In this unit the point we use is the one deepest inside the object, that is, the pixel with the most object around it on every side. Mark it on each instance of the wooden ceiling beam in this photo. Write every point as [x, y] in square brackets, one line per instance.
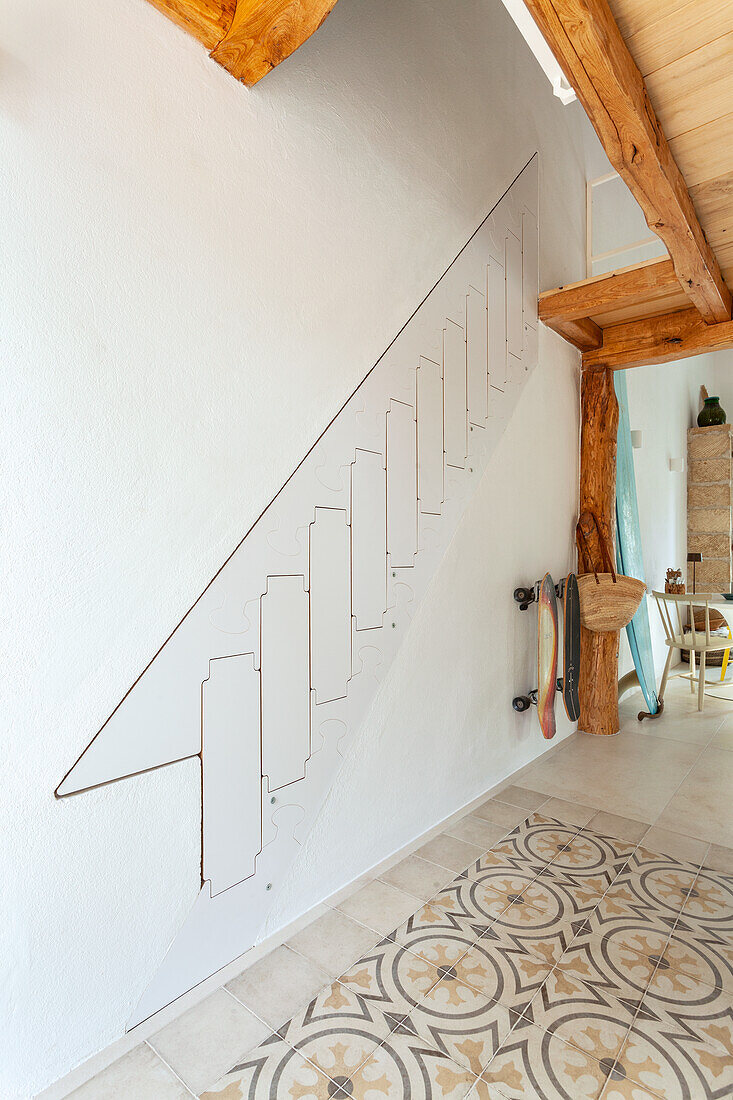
[658, 339]
[248, 37]
[643, 282]
[590, 49]
[580, 331]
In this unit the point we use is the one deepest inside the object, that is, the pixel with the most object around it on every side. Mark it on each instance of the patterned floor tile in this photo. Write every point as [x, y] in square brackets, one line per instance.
[340, 1018]
[691, 1009]
[707, 959]
[504, 856]
[505, 880]
[612, 915]
[504, 972]
[709, 904]
[537, 840]
[629, 893]
[273, 1071]
[673, 1067]
[619, 1087]
[392, 978]
[461, 1023]
[584, 886]
[418, 933]
[407, 1067]
[471, 900]
[643, 860]
[583, 1015]
[663, 889]
[589, 854]
[523, 919]
[534, 1064]
[614, 963]
[534, 933]
[564, 897]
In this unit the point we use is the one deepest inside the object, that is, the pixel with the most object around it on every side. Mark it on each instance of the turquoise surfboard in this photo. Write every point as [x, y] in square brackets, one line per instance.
[629, 558]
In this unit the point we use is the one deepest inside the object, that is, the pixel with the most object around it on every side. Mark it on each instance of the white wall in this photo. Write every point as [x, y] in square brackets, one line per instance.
[196, 276]
[442, 723]
[717, 376]
[663, 404]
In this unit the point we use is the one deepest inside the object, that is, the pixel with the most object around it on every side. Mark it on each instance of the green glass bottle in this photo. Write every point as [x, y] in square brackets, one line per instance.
[711, 413]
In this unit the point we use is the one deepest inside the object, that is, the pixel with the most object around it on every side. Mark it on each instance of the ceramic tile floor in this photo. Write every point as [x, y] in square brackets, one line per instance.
[552, 943]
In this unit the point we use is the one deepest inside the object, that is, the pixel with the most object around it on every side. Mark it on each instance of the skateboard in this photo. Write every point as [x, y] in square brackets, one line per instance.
[571, 647]
[545, 596]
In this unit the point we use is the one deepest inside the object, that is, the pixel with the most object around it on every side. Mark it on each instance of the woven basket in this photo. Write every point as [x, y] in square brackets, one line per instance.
[608, 603]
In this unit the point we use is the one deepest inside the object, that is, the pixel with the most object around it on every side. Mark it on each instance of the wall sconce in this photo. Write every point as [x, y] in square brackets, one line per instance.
[676, 465]
[636, 440]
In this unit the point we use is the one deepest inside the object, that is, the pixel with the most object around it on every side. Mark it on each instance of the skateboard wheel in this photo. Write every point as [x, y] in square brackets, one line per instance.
[524, 596]
[521, 703]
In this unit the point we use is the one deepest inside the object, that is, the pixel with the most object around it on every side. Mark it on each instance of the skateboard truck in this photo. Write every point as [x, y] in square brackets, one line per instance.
[520, 703]
[525, 596]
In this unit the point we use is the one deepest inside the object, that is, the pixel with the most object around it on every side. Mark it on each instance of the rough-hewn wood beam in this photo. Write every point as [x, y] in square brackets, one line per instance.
[580, 331]
[658, 340]
[629, 286]
[598, 683]
[589, 47]
[207, 20]
[248, 37]
[264, 32]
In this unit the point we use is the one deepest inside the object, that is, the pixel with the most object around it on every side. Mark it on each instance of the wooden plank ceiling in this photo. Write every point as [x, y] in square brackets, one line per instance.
[683, 50]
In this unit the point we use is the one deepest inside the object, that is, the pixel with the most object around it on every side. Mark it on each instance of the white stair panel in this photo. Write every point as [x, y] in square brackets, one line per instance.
[514, 318]
[477, 357]
[285, 681]
[255, 614]
[231, 771]
[455, 397]
[330, 604]
[401, 484]
[497, 325]
[530, 269]
[368, 539]
[430, 436]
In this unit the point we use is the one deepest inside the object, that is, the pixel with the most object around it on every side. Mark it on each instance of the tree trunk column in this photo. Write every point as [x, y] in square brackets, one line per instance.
[599, 651]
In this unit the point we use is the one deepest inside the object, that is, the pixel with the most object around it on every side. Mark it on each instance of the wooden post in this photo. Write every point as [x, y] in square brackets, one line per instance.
[599, 652]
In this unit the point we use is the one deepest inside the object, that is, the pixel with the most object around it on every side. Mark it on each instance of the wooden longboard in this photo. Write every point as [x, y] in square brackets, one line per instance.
[546, 656]
[571, 647]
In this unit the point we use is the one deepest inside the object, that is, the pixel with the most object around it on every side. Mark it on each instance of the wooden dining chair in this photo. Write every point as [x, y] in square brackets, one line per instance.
[678, 619]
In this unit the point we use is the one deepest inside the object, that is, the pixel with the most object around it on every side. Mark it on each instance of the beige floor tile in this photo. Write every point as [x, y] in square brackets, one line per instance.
[450, 852]
[724, 737]
[719, 858]
[380, 906]
[702, 807]
[209, 1039]
[690, 727]
[629, 775]
[333, 941]
[278, 985]
[140, 1074]
[418, 876]
[522, 796]
[570, 813]
[501, 813]
[676, 845]
[622, 828]
[475, 830]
